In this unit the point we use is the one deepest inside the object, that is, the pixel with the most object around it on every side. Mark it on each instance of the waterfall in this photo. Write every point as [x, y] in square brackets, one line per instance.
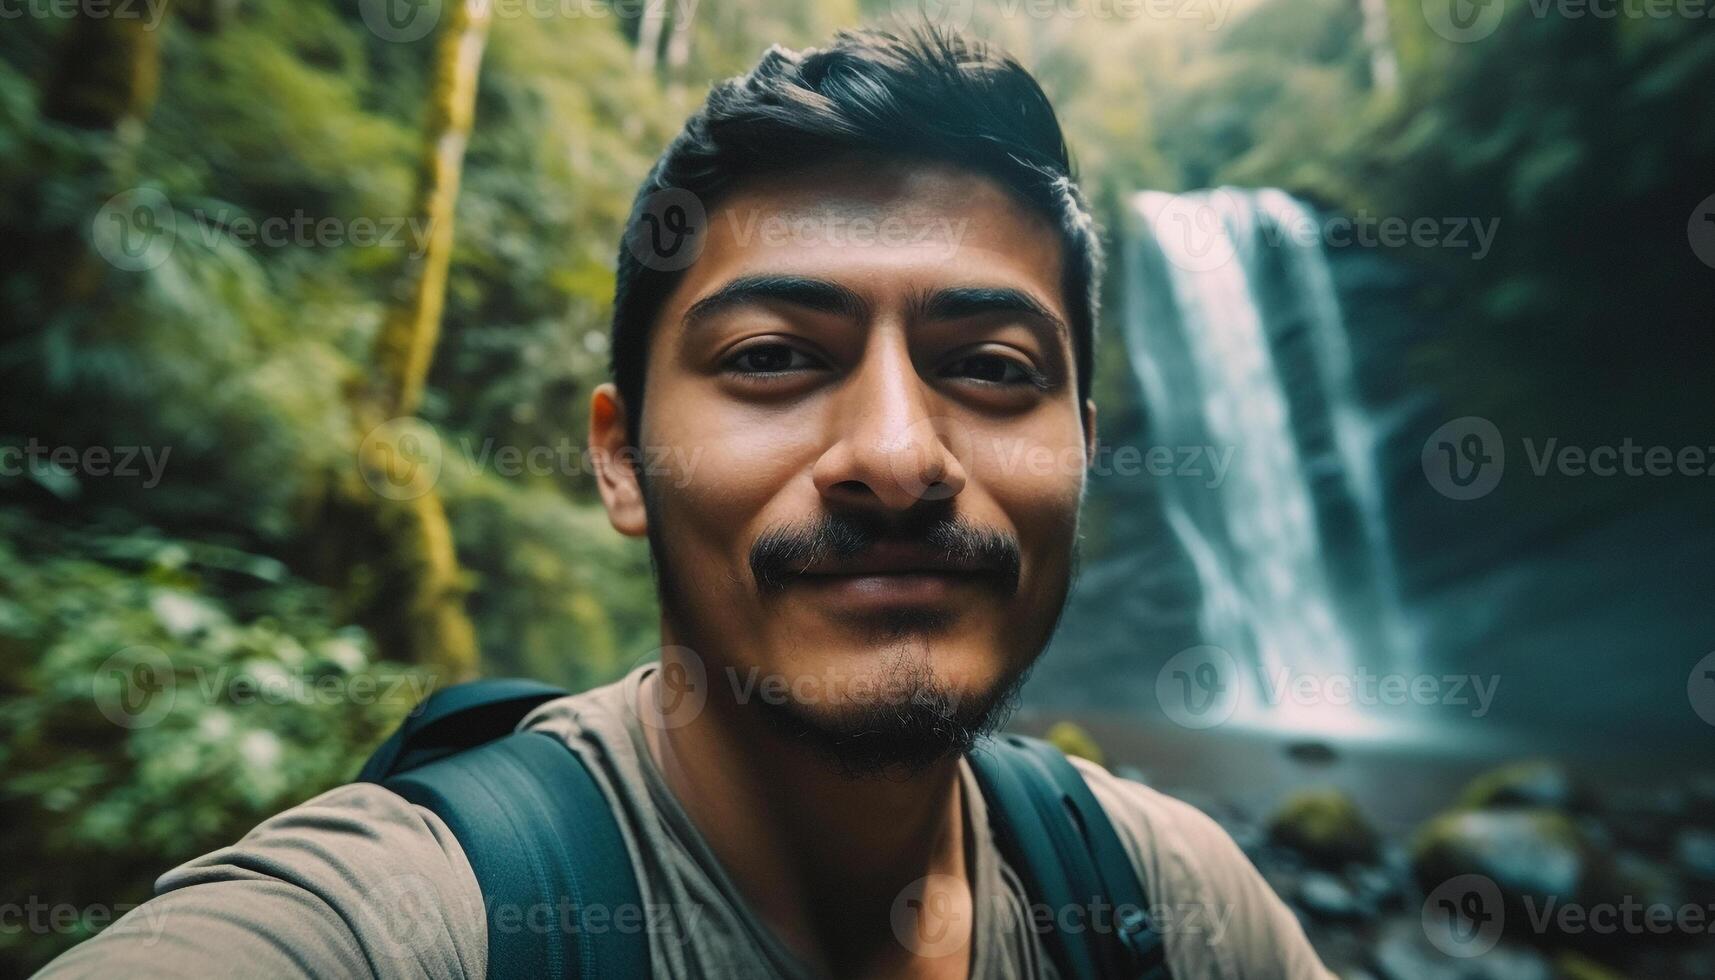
[1235, 334]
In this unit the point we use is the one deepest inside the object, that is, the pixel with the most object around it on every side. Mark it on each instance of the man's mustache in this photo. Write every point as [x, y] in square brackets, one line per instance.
[783, 552]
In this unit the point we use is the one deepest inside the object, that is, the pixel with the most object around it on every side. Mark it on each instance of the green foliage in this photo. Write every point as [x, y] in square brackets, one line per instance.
[560, 595]
[263, 701]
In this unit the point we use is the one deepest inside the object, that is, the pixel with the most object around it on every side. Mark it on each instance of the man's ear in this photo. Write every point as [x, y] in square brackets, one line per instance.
[616, 463]
[1090, 431]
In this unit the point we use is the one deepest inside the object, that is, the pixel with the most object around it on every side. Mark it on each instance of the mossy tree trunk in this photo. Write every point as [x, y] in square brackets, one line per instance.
[104, 82]
[410, 588]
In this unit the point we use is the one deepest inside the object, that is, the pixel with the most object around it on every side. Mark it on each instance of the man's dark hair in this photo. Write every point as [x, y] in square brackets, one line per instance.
[926, 95]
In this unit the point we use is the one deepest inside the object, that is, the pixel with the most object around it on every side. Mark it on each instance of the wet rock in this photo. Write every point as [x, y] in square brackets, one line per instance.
[1525, 784]
[1326, 827]
[1576, 966]
[1376, 887]
[1645, 880]
[1700, 799]
[1327, 897]
[1404, 952]
[1525, 852]
[1646, 820]
[1312, 752]
[1694, 851]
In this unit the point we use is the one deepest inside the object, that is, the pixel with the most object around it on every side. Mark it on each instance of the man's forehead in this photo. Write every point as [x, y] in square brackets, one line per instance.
[914, 226]
[859, 187]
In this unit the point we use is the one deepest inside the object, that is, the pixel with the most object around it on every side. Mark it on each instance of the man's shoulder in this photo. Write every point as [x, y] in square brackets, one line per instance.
[355, 882]
[1173, 838]
[602, 707]
[391, 869]
[1220, 918]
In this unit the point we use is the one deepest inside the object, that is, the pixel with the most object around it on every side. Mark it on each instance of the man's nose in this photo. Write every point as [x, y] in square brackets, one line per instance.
[889, 448]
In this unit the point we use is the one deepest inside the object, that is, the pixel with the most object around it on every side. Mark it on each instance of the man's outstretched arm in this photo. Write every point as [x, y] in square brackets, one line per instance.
[354, 883]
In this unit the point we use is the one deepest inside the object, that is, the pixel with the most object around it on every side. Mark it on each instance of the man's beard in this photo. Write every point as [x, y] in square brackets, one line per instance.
[923, 720]
[914, 722]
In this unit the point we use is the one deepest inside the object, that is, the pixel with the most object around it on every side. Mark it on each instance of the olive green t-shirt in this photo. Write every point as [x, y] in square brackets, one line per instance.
[357, 883]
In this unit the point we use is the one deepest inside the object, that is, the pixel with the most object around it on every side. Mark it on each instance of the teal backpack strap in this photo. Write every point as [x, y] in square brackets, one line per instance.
[1059, 840]
[536, 827]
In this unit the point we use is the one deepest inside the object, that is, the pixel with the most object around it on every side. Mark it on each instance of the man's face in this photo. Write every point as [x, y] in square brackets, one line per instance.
[864, 452]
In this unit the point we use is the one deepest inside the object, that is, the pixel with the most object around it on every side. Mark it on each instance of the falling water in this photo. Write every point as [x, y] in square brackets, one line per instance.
[1237, 339]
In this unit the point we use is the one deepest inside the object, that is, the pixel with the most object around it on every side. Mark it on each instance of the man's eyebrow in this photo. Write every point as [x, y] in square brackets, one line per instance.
[962, 301]
[815, 294]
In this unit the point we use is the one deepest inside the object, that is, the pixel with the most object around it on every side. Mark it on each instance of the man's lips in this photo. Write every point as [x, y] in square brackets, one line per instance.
[897, 559]
[879, 591]
[894, 574]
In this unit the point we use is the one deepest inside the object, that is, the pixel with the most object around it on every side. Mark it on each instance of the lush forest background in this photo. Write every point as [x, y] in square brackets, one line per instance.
[267, 371]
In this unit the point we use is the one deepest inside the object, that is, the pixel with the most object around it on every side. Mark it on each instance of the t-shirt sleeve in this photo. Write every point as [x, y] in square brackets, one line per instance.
[1219, 917]
[354, 883]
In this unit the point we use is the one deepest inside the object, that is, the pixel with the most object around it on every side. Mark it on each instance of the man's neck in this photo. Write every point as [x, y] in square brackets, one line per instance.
[823, 858]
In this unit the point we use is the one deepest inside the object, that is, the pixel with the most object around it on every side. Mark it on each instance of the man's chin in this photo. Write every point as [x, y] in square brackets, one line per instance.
[898, 723]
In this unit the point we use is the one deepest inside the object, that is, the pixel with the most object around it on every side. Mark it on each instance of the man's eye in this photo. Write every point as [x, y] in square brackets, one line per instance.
[993, 369]
[769, 359]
